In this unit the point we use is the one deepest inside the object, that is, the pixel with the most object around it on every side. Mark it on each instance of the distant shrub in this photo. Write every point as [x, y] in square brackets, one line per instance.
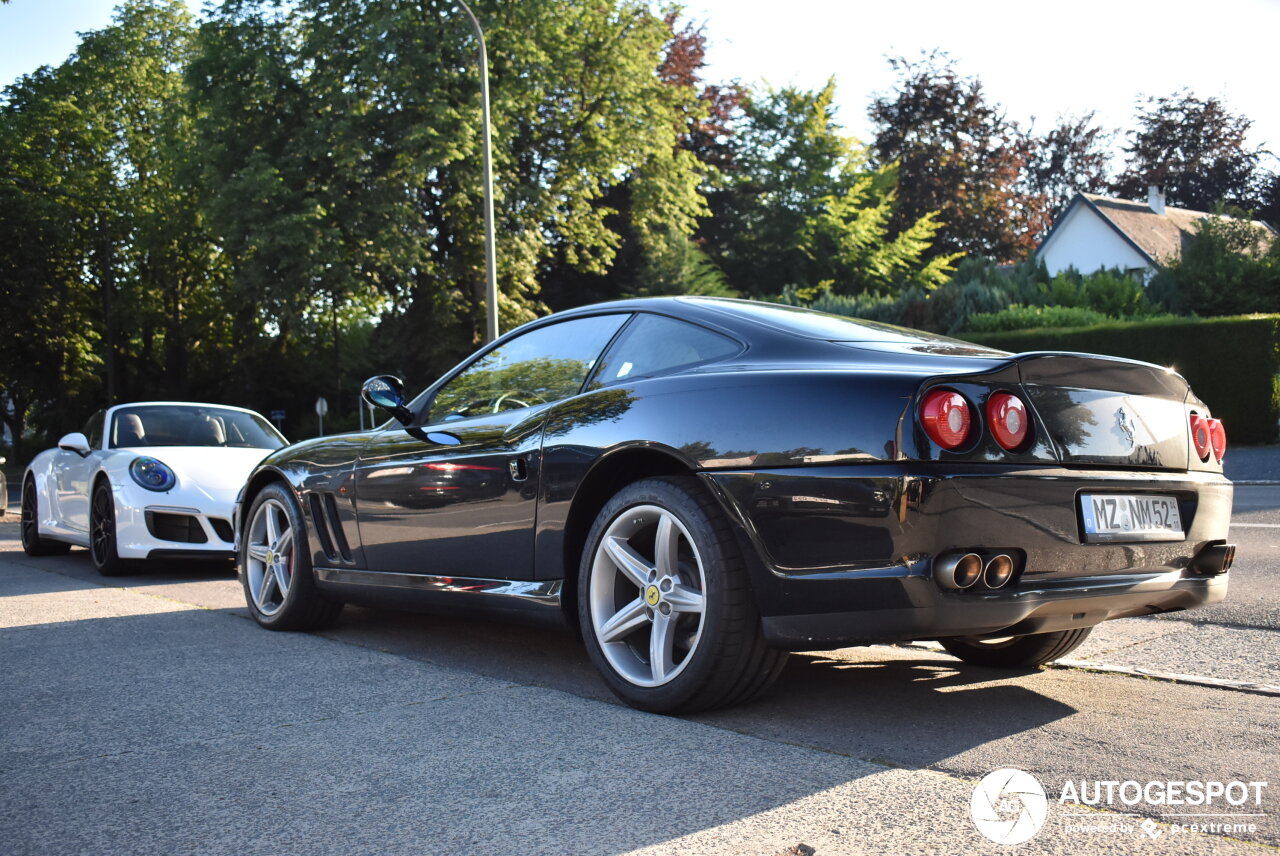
[1019, 317]
[1239, 381]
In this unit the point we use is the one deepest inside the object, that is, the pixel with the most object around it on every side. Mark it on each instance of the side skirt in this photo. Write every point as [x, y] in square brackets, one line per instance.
[536, 602]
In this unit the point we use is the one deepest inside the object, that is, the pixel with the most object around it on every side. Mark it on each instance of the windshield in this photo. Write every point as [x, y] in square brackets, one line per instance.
[191, 425]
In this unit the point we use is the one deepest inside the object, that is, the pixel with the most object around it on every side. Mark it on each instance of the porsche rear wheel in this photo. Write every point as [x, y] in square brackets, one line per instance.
[1016, 651]
[275, 566]
[32, 543]
[102, 532]
[665, 603]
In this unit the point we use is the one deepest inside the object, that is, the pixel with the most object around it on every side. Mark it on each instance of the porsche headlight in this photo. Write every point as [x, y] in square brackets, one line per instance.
[152, 474]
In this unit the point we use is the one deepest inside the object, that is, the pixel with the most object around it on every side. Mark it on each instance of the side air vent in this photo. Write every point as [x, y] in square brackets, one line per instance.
[335, 524]
[320, 520]
[324, 515]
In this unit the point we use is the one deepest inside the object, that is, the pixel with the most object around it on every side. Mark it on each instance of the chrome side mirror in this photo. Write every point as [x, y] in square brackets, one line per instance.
[387, 392]
[75, 442]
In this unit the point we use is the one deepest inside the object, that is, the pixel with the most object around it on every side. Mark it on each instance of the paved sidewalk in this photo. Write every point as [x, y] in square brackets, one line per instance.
[140, 724]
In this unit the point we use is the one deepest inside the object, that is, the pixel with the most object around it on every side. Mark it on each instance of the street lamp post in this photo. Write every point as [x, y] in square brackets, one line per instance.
[490, 254]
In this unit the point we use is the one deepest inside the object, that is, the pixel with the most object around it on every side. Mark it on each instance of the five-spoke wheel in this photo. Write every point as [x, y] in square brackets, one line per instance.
[647, 601]
[665, 604]
[275, 565]
[32, 542]
[269, 556]
[1035, 649]
[102, 532]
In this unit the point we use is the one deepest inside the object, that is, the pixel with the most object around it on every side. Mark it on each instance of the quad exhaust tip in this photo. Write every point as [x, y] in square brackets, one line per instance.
[1214, 559]
[960, 571]
[998, 571]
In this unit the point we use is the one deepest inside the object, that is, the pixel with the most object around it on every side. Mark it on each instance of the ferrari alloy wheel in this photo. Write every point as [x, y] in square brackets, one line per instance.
[102, 532]
[665, 603]
[653, 635]
[32, 543]
[275, 566]
[1016, 651]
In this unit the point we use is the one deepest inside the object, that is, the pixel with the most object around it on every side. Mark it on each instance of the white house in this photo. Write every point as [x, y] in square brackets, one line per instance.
[1101, 232]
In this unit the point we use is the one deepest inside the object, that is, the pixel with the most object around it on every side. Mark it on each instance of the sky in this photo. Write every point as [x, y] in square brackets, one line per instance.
[1039, 60]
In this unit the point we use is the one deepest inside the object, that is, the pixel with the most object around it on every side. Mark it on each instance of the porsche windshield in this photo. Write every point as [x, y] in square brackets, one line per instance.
[179, 425]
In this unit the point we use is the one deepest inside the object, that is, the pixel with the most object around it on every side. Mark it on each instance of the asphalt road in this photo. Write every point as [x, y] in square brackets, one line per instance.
[150, 716]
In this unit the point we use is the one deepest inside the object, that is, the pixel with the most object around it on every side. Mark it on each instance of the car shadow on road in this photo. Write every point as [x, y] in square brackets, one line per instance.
[905, 707]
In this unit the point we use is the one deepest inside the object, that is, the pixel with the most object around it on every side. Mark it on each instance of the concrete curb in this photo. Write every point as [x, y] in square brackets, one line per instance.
[1135, 672]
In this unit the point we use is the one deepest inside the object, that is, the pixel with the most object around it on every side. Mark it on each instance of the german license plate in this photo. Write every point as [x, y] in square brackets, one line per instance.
[1123, 517]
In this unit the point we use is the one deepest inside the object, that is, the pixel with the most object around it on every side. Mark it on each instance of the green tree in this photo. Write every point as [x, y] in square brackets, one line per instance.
[1230, 267]
[1072, 157]
[800, 206]
[100, 224]
[1195, 150]
[344, 163]
[959, 156]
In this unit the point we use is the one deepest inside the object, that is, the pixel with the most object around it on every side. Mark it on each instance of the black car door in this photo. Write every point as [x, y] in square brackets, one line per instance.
[468, 510]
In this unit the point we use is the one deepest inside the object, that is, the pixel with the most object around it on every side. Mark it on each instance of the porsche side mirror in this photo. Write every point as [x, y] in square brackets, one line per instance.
[387, 393]
[75, 442]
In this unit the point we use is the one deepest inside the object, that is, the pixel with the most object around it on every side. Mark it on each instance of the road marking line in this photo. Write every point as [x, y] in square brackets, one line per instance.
[1257, 525]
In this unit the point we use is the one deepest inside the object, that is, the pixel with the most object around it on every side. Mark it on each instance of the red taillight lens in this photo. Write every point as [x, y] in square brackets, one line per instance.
[946, 419]
[1217, 438]
[1200, 436]
[1007, 416]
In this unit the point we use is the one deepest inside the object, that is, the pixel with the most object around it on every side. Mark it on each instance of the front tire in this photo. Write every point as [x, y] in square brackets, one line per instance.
[1016, 651]
[665, 603]
[102, 532]
[32, 542]
[275, 566]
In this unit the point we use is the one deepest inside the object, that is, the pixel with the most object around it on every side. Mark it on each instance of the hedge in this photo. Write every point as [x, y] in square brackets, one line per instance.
[1232, 363]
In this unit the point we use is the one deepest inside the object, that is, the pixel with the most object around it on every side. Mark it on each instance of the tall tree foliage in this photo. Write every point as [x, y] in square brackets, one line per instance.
[1195, 149]
[99, 218]
[370, 150]
[1072, 157]
[800, 206]
[957, 155]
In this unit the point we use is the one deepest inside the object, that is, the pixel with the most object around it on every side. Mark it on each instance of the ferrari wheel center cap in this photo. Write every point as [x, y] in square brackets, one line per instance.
[652, 595]
[271, 557]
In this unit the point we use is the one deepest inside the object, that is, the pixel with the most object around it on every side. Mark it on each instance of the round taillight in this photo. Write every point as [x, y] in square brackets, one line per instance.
[946, 419]
[1217, 438]
[1200, 436]
[1007, 416]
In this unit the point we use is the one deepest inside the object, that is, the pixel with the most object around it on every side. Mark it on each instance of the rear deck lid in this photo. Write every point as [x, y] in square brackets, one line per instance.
[1107, 411]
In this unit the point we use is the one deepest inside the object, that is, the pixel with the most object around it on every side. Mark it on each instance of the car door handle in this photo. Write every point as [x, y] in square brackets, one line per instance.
[518, 468]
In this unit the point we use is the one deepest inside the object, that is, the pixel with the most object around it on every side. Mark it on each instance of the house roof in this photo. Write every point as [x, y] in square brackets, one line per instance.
[1158, 237]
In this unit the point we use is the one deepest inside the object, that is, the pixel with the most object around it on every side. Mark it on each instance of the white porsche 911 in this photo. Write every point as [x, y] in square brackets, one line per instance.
[153, 480]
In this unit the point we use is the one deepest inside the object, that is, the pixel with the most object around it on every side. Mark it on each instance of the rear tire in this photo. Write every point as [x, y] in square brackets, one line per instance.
[1016, 651]
[102, 532]
[665, 604]
[275, 566]
[32, 542]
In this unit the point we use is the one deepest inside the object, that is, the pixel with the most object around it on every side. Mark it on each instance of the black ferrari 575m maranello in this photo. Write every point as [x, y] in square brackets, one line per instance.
[701, 485]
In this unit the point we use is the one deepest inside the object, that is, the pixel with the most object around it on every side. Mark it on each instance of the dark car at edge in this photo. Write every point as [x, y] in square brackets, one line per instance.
[700, 485]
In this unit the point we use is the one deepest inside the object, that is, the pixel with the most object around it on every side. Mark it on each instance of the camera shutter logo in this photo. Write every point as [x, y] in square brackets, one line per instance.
[1009, 806]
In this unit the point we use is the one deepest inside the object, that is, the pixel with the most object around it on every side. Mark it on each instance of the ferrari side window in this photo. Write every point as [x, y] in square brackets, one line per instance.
[655, 344]
[539, 367]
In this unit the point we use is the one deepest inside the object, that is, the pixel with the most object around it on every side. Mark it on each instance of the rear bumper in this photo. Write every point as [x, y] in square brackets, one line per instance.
[1043, 609]
[844, 555]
